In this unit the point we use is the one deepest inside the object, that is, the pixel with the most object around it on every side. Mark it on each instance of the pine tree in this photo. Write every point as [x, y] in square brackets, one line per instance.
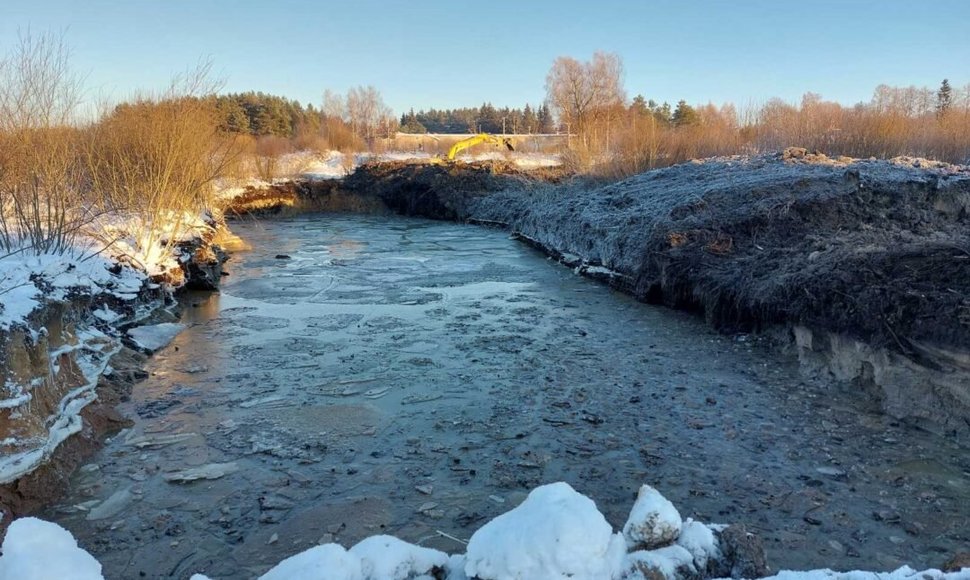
[685, 115]
[639, 106]
[545, 120]
[529, 121]
[944, 98]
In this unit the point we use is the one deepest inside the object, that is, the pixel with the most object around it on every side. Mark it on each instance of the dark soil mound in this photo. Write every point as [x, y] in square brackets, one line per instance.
[877, 250]
[441, 191]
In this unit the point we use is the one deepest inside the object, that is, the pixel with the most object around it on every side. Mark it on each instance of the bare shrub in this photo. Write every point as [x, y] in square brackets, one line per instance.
[39, 174]
[266, 156]
[156, 157]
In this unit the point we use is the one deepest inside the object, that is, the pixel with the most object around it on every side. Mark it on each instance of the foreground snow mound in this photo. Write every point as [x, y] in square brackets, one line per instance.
[653, 521]
[388, 558]
[326, 562]
[39, 550]
[904, 573]
[555, 533]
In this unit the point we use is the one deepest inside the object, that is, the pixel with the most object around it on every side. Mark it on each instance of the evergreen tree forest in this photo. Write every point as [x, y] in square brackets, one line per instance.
[483, 119]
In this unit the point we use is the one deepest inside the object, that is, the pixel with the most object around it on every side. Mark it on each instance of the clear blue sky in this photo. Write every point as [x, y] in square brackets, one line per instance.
[461, 53]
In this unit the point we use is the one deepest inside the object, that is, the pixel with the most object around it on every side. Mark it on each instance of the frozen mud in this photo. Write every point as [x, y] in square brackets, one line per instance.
[363, 375]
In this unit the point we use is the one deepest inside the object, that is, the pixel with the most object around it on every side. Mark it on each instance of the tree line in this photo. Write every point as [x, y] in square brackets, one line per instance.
[621, 136]
[483, 119]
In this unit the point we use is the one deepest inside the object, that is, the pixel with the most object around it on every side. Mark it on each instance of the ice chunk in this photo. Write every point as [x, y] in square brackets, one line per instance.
[39, 550]
[153, 337]
[653, 521]
[112, 506]
[555, 533]
[326, 562]
[388, 558]
[208, 471]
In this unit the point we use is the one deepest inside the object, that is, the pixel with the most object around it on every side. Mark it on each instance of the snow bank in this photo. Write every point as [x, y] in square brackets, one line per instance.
[557, 533]
[128, 239]
[27, 279]
[39, 550]
[92, 353]
[388, 558]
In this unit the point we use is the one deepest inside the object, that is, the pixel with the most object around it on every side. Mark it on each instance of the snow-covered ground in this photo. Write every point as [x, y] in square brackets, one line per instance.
[556, 533]
[26, 279]
[113, 254]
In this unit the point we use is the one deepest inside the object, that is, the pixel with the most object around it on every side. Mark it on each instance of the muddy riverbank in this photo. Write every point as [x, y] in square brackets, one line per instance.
[361, 375]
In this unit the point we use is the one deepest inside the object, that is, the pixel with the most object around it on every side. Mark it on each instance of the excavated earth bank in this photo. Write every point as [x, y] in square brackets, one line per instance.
[863, 266]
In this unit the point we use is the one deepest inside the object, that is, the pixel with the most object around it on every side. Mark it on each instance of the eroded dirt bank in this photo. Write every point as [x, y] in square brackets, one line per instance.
[863, 265]
[69, 363]
[408, 377]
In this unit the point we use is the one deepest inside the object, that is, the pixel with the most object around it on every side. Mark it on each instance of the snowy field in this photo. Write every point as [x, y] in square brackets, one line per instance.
[556, 533]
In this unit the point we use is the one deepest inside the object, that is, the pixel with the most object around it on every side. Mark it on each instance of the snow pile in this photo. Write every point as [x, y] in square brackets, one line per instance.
[327, 562]
[555, 533]
[388, 558]
[375, 558]
[653, 521]
[39, 550]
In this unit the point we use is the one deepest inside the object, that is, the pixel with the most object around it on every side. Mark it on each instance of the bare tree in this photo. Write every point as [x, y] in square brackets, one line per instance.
[367, 113]
[156, 157]
[586, 95]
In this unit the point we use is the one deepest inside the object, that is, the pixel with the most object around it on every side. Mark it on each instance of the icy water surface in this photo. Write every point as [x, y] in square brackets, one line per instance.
[412, 377]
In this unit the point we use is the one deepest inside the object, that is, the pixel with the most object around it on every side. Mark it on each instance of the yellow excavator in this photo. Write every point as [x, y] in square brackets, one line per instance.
[475, 140]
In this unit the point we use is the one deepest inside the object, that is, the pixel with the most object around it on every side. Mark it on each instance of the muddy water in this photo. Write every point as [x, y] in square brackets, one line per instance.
[412, 377]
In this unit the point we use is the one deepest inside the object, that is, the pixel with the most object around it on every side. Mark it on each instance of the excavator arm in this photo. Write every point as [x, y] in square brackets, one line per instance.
[475, 140]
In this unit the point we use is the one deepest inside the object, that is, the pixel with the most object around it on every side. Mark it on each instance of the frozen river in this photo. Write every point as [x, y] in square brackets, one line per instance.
[361, 375]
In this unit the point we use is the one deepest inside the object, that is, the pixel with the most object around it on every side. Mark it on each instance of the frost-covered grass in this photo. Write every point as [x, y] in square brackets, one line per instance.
[555, 534]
